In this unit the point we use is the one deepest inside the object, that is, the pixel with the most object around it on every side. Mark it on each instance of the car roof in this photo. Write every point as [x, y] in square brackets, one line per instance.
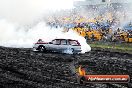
[65, 39]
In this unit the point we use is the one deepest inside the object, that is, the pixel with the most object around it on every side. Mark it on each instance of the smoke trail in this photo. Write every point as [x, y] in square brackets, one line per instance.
[28, 11]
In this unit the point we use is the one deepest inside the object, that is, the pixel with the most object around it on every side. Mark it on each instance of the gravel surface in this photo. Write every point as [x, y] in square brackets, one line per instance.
[22, 68]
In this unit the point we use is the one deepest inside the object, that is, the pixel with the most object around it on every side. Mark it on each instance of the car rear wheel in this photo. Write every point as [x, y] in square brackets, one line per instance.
[71, 51]
[68, 51]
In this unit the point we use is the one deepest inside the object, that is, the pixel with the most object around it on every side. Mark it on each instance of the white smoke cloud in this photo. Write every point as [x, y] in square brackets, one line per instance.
[27, 11]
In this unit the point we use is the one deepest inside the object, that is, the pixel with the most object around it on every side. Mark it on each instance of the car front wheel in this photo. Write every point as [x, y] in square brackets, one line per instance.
[42, 49]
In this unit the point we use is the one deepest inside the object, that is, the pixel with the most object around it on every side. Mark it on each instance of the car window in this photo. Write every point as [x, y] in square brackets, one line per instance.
[56, 42]
[63, 42]
[73, 42]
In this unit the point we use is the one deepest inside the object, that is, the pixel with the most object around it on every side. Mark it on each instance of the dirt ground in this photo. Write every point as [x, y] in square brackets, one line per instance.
[23, 68]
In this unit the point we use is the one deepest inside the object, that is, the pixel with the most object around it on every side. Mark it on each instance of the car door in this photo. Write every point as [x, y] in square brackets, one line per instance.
[63, 45]
[55, 45]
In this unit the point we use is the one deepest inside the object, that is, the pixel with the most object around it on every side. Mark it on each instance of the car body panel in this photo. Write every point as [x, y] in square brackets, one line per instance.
[60, 45]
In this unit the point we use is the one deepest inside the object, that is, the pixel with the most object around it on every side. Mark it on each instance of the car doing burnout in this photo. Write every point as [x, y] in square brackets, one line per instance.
[58, 45]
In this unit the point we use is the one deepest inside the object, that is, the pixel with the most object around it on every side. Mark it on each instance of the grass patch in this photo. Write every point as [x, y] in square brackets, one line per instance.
[121, 47]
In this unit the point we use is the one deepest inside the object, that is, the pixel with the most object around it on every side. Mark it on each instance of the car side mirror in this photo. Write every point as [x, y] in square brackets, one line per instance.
[50, 43]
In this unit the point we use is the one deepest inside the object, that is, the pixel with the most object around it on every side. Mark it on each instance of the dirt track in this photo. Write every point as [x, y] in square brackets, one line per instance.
[22, 68]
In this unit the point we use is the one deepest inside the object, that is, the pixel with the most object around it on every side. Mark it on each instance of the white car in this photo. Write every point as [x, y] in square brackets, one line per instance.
[58, 45]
